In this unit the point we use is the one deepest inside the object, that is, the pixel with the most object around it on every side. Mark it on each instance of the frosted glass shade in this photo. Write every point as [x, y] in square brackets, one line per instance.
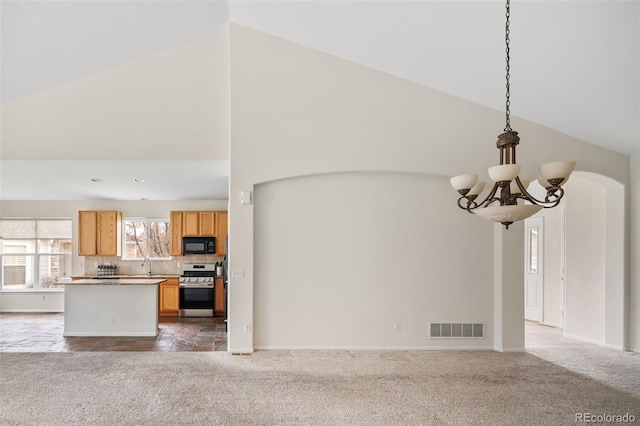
[477, 188]
[508, 213]
[463, 181]
[504, 172]
[543, 182]
[559, 169]
[513, 187]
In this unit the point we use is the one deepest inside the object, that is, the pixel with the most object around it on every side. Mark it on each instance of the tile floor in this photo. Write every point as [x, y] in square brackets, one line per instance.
[42, 332]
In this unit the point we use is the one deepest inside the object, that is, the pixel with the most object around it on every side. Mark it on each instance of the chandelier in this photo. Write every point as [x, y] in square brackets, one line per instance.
[501, 204]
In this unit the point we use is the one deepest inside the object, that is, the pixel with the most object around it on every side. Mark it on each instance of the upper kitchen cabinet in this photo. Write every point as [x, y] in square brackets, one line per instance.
[176, 233]
[221, 232]
[198, 224]
[207, 221]
[99, 233]
[87, 233]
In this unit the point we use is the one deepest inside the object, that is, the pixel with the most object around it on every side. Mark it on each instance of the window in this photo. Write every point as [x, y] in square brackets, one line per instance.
[532, 259]
[35, 254]
[146, 238]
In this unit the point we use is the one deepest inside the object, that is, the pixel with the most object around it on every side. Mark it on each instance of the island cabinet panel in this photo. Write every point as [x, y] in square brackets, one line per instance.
[87, 233]
[221, 232]
[111, 308]
[169, 298]
[99, 233]
[190, 224]
[219, 305]
[176, 233]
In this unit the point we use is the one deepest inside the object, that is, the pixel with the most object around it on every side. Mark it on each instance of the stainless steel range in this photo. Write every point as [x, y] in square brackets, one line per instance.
[196, 289]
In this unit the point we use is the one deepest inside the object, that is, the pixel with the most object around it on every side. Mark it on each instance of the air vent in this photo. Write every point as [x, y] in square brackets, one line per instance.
[456, 330]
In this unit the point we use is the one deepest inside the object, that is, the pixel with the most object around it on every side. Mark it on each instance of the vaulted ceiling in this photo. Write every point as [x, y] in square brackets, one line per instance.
[575, 65]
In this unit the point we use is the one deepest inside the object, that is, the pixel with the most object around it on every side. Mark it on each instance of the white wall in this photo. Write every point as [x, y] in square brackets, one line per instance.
[553, 293]
[586, 264]
[341, 257]
[634, 257]
[310, 113]
[54, 301]
[553, 280]
[173, 105]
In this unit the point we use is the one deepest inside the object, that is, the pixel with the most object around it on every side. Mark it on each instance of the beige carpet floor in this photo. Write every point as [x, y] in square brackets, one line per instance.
[311, 388]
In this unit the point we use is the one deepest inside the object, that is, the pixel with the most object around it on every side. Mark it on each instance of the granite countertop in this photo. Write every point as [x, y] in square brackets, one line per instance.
[120, 281]
[130, 276]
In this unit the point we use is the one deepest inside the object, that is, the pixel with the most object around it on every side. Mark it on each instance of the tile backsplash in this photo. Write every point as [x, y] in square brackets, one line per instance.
[134, 267]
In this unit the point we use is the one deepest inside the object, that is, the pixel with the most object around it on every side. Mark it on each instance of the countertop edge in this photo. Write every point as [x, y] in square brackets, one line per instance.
[120, 281]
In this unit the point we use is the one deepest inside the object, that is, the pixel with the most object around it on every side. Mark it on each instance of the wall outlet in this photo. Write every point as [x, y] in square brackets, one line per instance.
[80, 265]
[247, 328]
[396, 326]
[112, 320]
[237, 273]
[42, 297]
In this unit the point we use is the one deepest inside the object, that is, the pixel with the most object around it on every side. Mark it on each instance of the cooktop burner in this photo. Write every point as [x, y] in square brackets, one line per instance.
[198, 275]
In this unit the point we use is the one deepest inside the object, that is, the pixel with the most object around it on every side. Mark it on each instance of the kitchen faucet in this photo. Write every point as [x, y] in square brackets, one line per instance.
[146, 259]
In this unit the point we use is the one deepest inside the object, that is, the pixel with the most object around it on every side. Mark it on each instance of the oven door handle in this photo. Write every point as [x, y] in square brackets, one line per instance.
[195, 286]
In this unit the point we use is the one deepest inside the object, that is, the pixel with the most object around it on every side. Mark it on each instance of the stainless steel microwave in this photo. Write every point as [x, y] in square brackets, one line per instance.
[198, 245]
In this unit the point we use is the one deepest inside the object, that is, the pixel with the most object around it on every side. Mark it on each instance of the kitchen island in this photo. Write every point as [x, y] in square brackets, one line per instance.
[111, 307]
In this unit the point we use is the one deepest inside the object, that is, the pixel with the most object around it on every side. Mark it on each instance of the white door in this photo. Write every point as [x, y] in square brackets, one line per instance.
[533, 263]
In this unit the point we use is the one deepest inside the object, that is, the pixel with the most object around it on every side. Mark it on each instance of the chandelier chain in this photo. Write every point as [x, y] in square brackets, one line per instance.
[508, 69]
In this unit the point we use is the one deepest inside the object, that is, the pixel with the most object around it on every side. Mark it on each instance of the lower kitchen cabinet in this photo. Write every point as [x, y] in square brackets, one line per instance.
[219, 304]
[169, 298]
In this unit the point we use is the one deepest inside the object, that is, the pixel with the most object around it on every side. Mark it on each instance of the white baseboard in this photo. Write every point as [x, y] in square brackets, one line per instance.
[110, 334]
[31, 311]
[595, 342]
[241, 351]
[510, 351]
[551, 324]
[372, 348]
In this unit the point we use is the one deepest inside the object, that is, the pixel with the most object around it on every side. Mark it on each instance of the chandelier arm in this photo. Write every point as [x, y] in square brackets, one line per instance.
[552, 192]
[472, 204]
[550, 200]
[491, 198]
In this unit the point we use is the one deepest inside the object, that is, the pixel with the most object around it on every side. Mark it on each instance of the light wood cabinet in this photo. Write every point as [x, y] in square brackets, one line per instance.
[207, 224]
[198, 224]
[190, 224]
[221, 232]
[109, 233]
[176, 233]
[169, 298]
[219, 304]
[87, 233]
[99, 233]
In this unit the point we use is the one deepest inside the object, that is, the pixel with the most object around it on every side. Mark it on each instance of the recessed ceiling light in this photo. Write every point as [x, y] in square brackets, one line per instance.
[96, 180]
[138, 180]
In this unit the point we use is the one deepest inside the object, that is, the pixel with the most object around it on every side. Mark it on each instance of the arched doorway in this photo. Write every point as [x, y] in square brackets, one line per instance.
[583, 277]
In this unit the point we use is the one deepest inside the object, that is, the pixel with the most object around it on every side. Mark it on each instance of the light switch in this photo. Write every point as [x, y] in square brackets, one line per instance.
[237, 273]
[245, 197]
